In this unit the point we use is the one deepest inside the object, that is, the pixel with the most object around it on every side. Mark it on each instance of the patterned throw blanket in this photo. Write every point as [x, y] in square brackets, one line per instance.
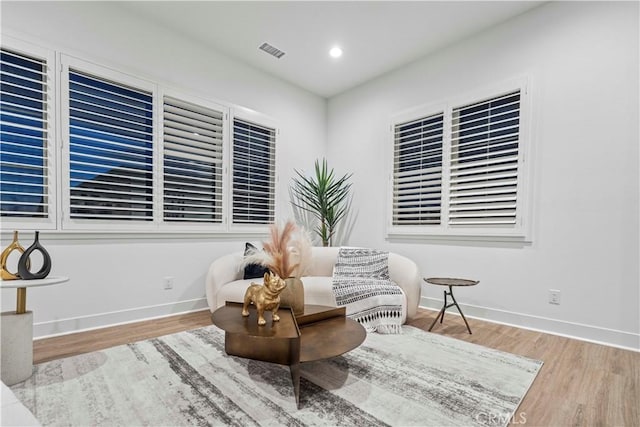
[361, 283]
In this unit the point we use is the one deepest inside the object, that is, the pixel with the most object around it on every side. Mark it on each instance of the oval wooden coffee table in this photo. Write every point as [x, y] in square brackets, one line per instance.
[320, 333]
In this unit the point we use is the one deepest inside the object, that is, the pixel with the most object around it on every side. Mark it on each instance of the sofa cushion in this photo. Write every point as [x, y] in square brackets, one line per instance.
[234, 291]
[317, 291]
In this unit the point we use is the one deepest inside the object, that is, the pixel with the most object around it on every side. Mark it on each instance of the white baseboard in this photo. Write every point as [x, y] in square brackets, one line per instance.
[113, 318]
[579, 331]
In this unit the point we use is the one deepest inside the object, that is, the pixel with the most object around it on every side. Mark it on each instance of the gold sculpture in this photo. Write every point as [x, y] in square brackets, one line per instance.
[5, 274]
[265, 297]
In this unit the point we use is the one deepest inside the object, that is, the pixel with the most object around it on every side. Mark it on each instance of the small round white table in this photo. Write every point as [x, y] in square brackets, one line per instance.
[17, 331]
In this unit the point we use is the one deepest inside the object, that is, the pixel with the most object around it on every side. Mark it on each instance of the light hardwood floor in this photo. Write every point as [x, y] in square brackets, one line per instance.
[580, 384]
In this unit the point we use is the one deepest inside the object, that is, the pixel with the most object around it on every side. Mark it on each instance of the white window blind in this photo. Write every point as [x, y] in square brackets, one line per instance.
[417, 171]
[192, 159]
[110, 149]
[253, 179]
[458, 168]
[484, 162]
[24, 136]
[132, 155]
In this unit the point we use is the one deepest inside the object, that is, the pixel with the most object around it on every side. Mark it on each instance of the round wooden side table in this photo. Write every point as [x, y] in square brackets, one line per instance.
[450, 282]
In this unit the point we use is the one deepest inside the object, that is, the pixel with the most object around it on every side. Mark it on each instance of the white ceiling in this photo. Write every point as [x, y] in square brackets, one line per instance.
[376, 36]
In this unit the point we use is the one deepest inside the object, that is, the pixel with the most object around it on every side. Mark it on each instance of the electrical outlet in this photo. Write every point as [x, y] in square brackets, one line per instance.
[554, 296]
[168, 282]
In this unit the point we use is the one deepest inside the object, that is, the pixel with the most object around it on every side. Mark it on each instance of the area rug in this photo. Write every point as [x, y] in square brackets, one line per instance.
[413, 378]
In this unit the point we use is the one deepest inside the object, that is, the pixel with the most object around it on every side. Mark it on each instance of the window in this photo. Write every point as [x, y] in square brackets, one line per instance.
[192, 162]
[120, 153]
[417, 171]
[132, 166]
[483, 187]
[458, 170]
[25, 138]
[253, 179]
[110, 149]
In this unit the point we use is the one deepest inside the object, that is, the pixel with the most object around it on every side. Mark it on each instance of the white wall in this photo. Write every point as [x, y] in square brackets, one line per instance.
[583, 62]
[582, 59]
[121, 279]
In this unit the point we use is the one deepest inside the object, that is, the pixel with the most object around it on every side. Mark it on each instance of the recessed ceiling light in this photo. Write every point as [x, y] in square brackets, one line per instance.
[335, 52]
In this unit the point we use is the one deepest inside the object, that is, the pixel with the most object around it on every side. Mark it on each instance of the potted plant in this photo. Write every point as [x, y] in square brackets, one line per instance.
[324, 196]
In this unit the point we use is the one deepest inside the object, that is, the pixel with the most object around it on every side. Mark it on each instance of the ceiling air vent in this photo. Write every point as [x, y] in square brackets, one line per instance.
[271, 50]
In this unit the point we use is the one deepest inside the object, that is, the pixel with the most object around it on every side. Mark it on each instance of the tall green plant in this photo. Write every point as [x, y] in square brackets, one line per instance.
[324, 196]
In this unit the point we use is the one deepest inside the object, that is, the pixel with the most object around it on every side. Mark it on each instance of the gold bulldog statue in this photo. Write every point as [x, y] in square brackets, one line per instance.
[264, 297]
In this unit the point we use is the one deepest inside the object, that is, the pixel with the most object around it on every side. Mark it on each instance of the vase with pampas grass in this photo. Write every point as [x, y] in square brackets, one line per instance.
[287, 254]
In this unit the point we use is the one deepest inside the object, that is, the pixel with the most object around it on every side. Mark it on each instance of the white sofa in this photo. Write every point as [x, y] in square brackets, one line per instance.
[224, 280]
[13, 412]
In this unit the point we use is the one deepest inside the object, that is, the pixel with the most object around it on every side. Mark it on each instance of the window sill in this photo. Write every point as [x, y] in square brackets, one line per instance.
[460, 239]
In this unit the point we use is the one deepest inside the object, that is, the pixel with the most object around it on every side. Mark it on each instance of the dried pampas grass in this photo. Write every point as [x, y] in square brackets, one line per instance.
[278, 248]
[300, 252]
[287, 254]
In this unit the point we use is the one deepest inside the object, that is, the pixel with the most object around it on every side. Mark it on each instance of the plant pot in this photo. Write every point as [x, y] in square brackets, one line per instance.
[293, 295]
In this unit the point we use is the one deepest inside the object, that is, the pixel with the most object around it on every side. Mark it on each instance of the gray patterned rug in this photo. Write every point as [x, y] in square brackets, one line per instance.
[415, 378]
